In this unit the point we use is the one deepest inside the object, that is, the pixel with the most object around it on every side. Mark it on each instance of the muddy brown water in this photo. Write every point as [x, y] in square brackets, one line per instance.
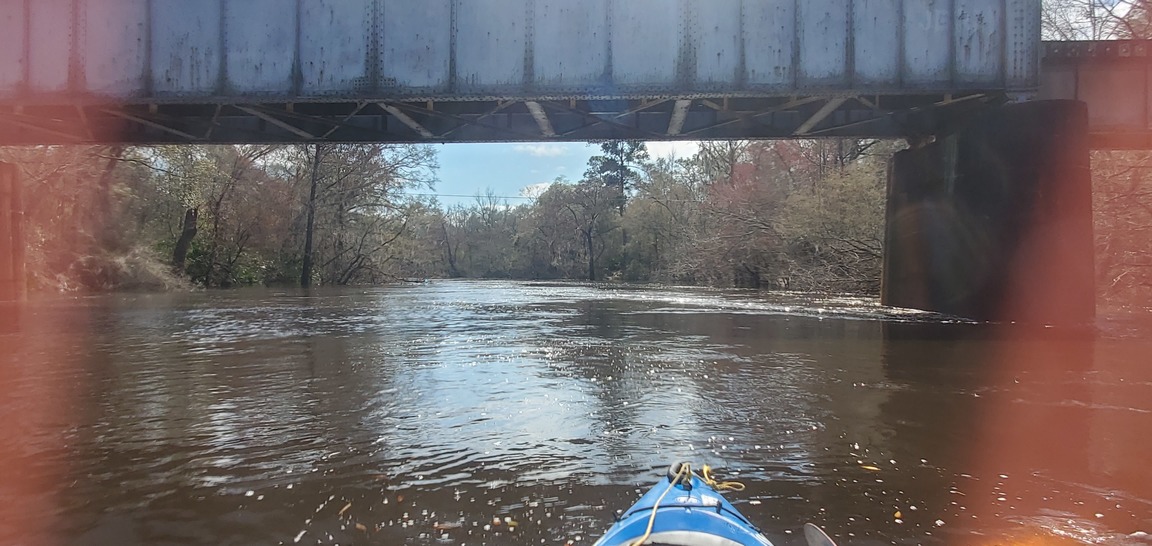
[528, 413]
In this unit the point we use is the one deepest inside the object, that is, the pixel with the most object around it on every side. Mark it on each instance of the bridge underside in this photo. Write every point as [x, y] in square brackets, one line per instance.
[696, 118]
[1114, 78]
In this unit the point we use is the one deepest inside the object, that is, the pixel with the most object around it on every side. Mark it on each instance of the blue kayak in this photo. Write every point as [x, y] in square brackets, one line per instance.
[684, 509]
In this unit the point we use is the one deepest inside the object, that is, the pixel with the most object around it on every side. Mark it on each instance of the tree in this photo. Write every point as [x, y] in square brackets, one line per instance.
[318, 152]
[226, 196]
[718, 160]
[417, 253]
[1096, 19]
[744, 229]
[453, 226]
[662, 219]
[619, 166]
[575, 218]
[589, 204]
[544, 240]
[834, 235]
[492, 229]
[353, 209]
[1122, 203]
[89, 218]
[189, 227]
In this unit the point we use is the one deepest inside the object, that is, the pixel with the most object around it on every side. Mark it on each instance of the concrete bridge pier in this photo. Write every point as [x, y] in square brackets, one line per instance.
[994, 221]
[13, 281]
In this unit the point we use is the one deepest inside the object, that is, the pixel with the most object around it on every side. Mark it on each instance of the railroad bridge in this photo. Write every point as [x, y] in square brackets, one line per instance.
[993, 196]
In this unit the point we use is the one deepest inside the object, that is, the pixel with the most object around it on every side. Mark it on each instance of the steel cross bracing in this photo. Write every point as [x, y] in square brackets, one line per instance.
[699, 118]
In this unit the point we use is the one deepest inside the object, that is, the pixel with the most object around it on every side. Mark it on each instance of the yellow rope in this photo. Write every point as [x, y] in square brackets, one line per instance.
[706, 474]
[685, 472]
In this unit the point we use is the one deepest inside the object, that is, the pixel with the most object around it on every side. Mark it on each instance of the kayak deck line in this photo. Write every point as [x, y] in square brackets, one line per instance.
[696, 515]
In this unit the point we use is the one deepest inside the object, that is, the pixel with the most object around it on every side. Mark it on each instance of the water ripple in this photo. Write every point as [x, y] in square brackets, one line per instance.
[412, 414]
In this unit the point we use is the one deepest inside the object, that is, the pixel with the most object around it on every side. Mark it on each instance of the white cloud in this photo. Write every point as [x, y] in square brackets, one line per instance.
[534, 190]
[541, 150]
[679, 149]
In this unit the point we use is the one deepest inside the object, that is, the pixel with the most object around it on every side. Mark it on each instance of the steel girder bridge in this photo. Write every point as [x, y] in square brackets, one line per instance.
[231, 71]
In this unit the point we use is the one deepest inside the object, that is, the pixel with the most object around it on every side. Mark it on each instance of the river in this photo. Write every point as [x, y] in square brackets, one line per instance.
[459, 412]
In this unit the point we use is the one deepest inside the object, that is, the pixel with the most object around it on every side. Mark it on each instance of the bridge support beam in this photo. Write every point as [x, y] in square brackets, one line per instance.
[13, 283]
[994, 221]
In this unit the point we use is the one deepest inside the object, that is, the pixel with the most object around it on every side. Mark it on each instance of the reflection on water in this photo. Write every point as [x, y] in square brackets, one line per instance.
[512, 413]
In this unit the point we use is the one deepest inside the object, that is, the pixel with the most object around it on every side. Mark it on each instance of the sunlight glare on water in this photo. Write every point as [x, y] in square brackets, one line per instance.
[528, 413]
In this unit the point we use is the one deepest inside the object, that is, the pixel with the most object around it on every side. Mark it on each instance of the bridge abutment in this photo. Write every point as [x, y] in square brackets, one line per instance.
[13, 280]
[994, 221]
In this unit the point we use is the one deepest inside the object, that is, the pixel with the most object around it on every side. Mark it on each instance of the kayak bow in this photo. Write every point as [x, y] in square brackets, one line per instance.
[684, 509]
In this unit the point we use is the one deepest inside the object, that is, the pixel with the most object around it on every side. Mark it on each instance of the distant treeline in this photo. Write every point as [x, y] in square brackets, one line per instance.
[804, 215]
[800, 215]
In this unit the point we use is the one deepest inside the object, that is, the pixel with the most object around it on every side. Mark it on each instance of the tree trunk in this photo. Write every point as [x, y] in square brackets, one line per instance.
[453, 271]
[623, 247]
[591, 256]
[623, 197]
[188, 230]
[309, 228]
[109, 238]
[216, 242]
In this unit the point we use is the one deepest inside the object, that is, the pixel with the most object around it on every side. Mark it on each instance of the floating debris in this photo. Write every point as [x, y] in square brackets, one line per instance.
[340, 514]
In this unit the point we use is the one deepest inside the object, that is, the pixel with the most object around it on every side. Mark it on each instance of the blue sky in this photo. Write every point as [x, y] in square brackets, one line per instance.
[468, 169]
